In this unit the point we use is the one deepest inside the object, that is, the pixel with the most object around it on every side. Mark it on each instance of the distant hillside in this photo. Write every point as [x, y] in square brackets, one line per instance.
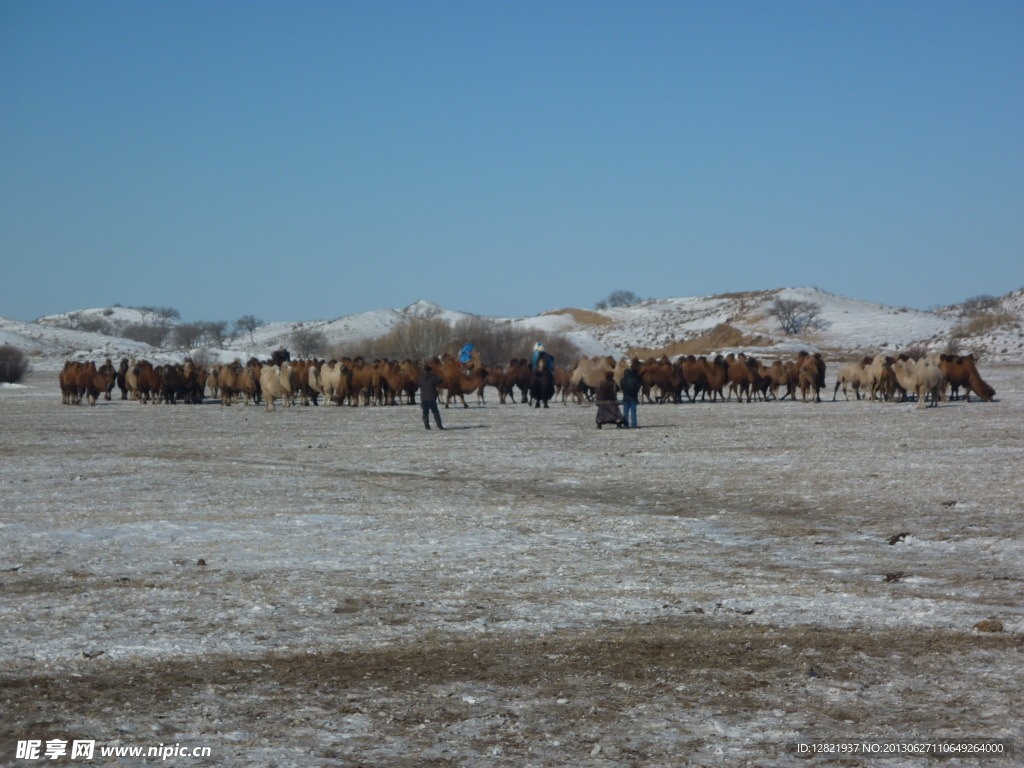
[730, 321]
[696, 325]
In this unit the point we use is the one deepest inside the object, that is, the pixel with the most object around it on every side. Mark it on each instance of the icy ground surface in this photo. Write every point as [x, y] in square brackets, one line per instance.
[521, 589]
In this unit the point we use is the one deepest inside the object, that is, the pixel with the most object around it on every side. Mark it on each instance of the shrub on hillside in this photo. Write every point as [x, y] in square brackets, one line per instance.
[147, 333]
[308, 342]
[916, 351]
[982, 323]
[13, 364]
[77, 321]
[977, 305]
[95, 325]
[420, 338]
[497, 342]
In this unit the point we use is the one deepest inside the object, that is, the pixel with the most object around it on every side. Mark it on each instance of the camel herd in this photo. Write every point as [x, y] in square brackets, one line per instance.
[355, 381]
[719, 378]
[895, 377]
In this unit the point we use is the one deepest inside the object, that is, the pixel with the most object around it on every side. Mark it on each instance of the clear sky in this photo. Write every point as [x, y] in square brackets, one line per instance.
[311, 160]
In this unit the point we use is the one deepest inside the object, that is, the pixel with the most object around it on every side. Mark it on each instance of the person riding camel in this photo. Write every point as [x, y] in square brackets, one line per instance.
[538, 350]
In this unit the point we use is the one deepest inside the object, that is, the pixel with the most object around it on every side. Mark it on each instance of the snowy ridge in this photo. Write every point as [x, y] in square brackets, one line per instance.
[847, 326]
[115, 316]
[50, 343]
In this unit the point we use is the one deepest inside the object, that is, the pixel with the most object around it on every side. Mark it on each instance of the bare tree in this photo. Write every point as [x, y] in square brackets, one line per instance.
[425, 338]
[619, 298]
[796, 316]
[248, 323]
[13, 364]
[187, 334]
[308, 342]
[812, 320]
[419, 338]
[162, 315]
[215, 331]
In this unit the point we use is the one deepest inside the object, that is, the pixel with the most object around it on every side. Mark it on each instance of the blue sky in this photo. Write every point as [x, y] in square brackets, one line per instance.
[310, 160]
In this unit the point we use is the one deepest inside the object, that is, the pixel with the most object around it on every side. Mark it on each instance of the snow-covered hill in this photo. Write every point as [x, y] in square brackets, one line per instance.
[49, 345]
[110, 318]
[742, 320]
[692, 324]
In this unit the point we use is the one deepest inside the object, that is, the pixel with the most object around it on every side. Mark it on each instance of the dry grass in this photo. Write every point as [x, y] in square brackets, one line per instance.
[570, 687]
[982, 324]
[722, 336]
[758, 295]
[582, 316]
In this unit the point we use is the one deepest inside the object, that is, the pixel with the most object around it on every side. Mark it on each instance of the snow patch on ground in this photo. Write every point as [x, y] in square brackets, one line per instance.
[518, 589]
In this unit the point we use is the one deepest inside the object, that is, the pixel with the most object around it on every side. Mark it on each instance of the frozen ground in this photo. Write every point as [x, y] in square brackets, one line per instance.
[520, 589]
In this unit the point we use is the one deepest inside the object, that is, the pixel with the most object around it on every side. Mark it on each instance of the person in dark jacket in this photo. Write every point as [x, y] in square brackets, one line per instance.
[607, 402]
[429, 382]
[630, 386]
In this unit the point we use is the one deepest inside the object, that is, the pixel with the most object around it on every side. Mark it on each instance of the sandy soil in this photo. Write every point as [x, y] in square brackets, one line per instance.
[520, 589]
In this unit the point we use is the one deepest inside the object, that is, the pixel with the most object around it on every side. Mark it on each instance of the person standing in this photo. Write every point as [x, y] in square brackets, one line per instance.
[630, 386]
[429, 382]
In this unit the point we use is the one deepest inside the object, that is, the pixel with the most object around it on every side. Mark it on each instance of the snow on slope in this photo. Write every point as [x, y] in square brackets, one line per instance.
[852, 324]
[365, 325]
[49, 346]
[1004, 340]
[115, 316]
[848, 325]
